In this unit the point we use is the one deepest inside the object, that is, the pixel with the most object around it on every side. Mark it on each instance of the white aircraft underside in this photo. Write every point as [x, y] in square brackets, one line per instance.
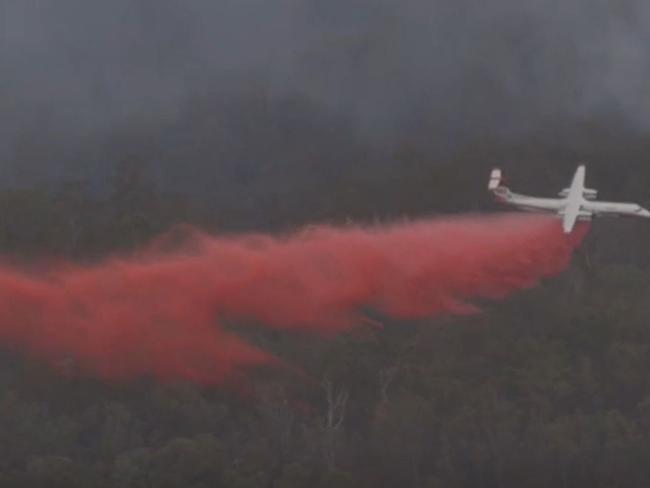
[574, 203]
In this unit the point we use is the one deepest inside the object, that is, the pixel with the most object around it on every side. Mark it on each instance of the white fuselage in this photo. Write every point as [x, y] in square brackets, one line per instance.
[575, 203]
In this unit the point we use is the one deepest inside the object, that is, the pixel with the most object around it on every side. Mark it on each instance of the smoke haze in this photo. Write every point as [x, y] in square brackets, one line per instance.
[74, 73]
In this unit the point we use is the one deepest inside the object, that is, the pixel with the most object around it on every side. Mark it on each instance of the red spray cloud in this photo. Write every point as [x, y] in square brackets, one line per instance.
[158, 313]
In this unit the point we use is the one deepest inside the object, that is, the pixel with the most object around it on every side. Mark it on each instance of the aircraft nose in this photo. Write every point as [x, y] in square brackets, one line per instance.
[644, 213]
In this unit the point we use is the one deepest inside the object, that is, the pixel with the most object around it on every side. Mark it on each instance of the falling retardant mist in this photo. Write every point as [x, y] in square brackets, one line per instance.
[160, 312]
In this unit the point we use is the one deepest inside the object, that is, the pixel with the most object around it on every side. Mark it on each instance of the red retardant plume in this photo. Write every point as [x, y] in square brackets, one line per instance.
[159, 313]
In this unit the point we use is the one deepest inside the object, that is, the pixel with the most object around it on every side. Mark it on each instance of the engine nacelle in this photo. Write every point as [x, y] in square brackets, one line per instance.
[588, 193]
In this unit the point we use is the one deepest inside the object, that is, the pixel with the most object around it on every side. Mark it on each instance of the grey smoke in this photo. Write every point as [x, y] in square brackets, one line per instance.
[71, 70]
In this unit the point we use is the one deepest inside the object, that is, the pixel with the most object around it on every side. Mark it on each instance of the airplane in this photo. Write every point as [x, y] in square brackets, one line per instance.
[574, 203]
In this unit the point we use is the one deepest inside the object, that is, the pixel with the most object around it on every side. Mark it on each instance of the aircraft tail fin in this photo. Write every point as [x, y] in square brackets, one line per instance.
[495, 179]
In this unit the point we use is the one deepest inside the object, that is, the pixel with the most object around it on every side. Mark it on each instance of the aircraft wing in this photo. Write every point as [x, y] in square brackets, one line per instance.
[574, 200]
[570, 216]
